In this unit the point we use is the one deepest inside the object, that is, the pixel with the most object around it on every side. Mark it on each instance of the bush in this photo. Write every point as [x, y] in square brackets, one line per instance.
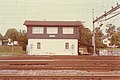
[11, 50]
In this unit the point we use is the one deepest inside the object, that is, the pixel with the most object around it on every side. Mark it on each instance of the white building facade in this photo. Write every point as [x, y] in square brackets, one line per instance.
[106, 40]
[52, 47]
[52, 37]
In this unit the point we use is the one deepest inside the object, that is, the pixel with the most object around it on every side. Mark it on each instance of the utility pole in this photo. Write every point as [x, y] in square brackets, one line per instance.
[99, 18]
[93, 35]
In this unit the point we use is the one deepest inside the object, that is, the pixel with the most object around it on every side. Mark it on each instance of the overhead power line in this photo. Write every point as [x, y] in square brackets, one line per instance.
[108, 13]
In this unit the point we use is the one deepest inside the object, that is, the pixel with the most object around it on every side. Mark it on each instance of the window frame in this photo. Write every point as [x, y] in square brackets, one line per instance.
[68, 30]
[67, 46]
[38, 45]
[54, 31]
[37, 30]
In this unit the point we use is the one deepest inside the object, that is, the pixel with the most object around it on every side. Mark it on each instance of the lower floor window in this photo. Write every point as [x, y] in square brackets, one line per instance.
[67, 45]
[38, 45]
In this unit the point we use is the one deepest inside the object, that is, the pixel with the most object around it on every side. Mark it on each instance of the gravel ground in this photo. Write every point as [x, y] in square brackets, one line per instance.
[56, 73]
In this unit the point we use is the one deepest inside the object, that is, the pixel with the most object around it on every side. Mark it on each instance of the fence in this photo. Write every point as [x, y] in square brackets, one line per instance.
[109, 52]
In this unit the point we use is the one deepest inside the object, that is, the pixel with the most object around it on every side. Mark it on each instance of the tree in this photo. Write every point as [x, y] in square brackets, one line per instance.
[111, 29]
[85, 37]
[118, 29]
[23, 39]
[13, 34]
[98, 42]
[98, 35]
[98, 32]
[115, 40]
[1, 36]
[114, 33]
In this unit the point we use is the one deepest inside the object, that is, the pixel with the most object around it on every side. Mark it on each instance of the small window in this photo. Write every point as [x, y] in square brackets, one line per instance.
[38, 45]
[66, 45]
[37, 30]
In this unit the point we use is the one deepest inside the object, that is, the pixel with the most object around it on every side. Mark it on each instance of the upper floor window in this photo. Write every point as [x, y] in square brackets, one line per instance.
[38, 45]
[67, 45]
[52, 30]
[37, 30]
[68, 30]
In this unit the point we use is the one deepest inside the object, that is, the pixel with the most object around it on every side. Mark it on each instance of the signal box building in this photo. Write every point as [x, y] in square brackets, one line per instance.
[52, 37]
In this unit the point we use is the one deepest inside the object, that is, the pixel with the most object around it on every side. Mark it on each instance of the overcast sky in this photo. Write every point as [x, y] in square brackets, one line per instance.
[13, 13]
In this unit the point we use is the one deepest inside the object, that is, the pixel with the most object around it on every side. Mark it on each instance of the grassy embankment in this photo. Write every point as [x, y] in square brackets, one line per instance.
[11, 50]
[108, 49]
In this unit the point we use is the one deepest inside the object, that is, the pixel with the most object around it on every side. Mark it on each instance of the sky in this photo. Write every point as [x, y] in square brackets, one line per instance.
[13, 13]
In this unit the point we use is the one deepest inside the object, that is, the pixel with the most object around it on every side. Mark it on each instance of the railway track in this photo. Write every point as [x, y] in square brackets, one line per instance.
[60, 64]
[60, 78]
[59, 57]
[60, 68]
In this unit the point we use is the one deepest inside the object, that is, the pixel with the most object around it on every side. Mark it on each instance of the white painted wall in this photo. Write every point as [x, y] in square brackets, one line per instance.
[52, 47]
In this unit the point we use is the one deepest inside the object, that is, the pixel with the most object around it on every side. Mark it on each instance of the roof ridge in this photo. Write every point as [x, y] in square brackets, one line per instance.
[53, 23]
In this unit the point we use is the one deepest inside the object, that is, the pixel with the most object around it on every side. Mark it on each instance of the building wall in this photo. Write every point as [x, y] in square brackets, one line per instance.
[52, 47]
[60, 34]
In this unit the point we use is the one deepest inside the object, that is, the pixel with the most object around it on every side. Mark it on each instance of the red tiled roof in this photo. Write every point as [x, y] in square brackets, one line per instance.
[53, 23]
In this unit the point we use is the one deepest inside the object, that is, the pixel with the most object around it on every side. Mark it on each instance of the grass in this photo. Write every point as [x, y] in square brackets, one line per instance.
[11, 50]
[109, 49]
